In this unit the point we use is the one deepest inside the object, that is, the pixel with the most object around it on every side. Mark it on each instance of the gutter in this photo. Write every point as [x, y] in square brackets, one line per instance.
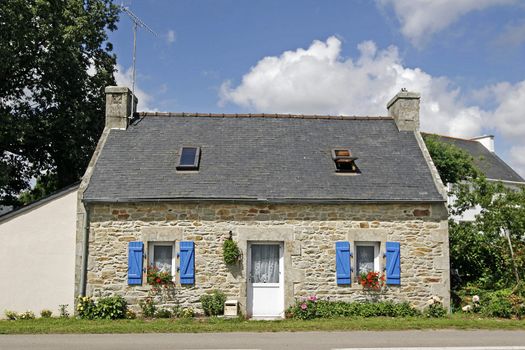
[520, 183]
[85, 247]
[261, 200]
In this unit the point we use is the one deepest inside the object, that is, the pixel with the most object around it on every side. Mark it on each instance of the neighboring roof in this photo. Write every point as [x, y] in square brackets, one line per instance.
[488, 162]
[277, 158]
[39, 202]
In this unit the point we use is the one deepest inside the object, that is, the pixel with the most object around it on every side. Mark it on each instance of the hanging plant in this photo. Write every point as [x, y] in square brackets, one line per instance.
[231, 251]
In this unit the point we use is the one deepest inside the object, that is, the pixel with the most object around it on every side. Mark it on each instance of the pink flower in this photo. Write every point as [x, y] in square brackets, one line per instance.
[304, 306]
[312, 298]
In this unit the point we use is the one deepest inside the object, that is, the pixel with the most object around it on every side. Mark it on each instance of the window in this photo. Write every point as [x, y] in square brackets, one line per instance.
[189, 158]
[344, 162]
[162, 256]
[366, 257]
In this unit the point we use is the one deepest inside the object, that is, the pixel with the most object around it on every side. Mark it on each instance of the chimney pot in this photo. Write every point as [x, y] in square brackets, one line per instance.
[118, 107]
[404, 107]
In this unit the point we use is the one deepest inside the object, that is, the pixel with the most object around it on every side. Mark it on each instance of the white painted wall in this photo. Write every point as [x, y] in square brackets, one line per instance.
[37, 257]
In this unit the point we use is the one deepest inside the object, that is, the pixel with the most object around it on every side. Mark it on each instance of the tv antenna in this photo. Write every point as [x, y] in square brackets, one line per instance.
[137, 22]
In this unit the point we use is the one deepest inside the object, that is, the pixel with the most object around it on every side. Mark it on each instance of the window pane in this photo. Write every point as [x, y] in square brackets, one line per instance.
[265, 263]
[364, 259]
[342, 153]
[162, 257]
[188, 155]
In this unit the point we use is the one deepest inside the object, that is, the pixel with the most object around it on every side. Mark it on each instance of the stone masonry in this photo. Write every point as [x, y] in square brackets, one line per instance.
[309, 233]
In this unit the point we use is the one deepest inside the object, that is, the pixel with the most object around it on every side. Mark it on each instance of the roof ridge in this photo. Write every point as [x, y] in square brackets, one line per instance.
[259, 115]
[450, 137]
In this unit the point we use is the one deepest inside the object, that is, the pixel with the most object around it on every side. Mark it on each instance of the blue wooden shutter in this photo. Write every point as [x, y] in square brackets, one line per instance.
[187, 262]
[135, 251]
[342, 262]
[393, 263]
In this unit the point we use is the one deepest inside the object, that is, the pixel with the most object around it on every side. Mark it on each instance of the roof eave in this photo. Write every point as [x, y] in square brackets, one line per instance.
[262, 200]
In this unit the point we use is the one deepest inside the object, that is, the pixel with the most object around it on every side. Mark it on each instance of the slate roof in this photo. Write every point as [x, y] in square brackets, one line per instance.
[488, 162]
[277, 158]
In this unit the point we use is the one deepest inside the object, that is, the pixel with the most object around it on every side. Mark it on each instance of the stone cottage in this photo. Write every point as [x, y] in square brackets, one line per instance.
[311, 201]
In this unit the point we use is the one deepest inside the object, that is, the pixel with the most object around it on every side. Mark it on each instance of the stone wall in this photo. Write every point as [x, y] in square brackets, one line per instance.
[309, 233]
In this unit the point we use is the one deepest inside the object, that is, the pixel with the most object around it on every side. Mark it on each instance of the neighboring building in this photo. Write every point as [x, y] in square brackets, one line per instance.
[487, 161]
[168, 188]
[37, 255]
[5, 209]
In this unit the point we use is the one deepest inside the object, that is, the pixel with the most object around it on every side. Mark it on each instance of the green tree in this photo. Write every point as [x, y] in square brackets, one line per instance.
[489, 251]
[453, 164]
[55, 61]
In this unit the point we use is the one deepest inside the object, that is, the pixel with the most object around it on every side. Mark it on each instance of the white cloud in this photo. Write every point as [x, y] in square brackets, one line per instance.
[317, 80]
[517, 159]
[124, 78]
[421, 18]
[508, 116]
[171, 37]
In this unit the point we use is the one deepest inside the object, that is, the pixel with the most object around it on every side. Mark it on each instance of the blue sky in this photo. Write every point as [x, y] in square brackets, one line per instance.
[466, 58]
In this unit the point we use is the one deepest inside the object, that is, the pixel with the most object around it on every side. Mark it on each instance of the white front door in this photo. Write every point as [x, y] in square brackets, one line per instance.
[265, 280]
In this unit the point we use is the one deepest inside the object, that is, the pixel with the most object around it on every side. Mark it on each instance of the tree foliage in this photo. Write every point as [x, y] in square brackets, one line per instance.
[54, 64]
[453, 164]
[480, 250]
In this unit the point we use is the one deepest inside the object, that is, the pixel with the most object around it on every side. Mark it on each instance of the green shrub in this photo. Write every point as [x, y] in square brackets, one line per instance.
[163, 313]
[130, 314]
[498, 304]
[114, 307]
[213, 304]
[28, 315]
[404, 309]
[231, 252]
[311, 307]
[435, 311]
[148, 307]
[11, 315]
[111, 308]
[86, 307]
[307, 309]
[63, 310]
[187, 313]
[176, 310]
[46, 313]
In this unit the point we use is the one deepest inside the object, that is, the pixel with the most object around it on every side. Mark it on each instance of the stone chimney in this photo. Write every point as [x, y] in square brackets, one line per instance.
[118, 107]
[404, 107]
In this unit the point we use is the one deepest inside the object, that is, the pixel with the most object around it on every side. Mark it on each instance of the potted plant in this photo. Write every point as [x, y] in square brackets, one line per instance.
[158, 278]
[231, 251]
[372, 280]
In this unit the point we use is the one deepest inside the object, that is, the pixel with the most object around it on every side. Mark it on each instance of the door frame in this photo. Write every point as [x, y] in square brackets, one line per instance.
[282, 272]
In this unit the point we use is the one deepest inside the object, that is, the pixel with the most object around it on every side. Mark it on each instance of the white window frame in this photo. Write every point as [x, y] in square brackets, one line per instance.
[151, 255]
[377, 260]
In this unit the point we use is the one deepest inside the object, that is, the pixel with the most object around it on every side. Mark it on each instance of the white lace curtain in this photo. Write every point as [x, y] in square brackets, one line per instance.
[162, 257]
[265, 263]
[365, 259]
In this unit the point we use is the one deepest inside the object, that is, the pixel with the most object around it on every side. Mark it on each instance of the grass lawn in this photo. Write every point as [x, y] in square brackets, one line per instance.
[56, 325]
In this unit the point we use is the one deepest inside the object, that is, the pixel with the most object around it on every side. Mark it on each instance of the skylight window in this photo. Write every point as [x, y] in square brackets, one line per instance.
[189, 158]
[344, 162]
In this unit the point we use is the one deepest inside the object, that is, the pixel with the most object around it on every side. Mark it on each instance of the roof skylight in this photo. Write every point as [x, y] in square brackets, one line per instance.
[344, 162]
[189, 158]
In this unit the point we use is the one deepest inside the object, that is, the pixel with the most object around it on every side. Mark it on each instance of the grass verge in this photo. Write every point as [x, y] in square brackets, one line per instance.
[56, 325]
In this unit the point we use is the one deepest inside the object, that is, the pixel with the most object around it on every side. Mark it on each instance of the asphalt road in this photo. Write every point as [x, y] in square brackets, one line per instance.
[424, 340]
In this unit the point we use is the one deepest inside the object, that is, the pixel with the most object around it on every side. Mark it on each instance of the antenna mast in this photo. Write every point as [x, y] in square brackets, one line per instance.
[137, 22]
